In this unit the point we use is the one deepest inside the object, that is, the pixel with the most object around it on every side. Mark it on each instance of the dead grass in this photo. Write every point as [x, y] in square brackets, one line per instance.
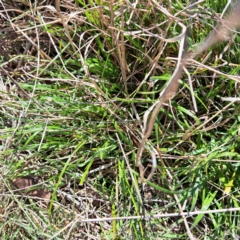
[76, 78]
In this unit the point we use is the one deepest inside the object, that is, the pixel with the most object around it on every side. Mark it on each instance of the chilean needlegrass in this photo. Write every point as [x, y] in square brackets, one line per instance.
[76, 79]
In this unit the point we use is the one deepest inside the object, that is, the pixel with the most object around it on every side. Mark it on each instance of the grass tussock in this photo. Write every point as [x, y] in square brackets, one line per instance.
[76, 78]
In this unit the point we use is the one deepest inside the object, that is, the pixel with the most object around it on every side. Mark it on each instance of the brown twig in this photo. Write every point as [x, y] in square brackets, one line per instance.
[221, 33]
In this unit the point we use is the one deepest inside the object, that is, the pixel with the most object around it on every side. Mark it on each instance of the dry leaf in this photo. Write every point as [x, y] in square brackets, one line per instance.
[24, 184]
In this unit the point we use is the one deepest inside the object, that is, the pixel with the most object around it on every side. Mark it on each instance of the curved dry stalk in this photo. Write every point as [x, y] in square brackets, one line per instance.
[221, 33]
[165, 95]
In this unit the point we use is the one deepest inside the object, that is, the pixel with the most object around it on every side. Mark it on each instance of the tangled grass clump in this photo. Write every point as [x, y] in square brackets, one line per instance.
[76, 78]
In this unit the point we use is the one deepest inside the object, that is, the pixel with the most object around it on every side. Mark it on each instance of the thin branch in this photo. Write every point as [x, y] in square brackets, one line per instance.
[221, 33]
[164, 215]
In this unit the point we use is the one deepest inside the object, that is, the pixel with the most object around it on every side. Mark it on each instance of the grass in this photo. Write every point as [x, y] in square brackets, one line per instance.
[73, 96]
